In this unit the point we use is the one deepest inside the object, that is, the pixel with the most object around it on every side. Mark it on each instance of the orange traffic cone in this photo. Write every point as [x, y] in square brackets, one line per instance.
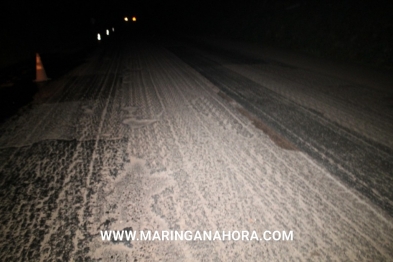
[40, 70]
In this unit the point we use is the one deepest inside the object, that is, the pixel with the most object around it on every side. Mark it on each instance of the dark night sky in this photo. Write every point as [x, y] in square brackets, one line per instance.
[298, 23]
[61, 14]
[26, 17]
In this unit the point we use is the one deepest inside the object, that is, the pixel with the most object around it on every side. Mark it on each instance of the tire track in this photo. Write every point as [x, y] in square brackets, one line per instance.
[202, 165]
[218, 138]
[350, 160]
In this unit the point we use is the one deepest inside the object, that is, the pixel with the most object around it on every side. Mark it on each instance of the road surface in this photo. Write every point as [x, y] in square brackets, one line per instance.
[165, 135]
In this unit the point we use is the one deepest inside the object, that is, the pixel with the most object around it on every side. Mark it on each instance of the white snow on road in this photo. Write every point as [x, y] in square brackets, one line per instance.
[149, 144]
[351, 98]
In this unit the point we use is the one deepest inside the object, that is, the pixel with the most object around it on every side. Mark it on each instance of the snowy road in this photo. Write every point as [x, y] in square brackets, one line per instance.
[172, 136]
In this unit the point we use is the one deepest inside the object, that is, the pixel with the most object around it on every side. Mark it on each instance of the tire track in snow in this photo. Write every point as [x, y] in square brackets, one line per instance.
[201, 166]
[333, 147]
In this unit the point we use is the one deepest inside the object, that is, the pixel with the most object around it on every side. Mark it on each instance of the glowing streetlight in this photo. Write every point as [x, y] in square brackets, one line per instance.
[113, 29]
[107, 32]
[133, 19]
[98, 37]
[126, 19]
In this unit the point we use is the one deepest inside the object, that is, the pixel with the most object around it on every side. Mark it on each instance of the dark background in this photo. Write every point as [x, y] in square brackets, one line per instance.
[355, 31]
